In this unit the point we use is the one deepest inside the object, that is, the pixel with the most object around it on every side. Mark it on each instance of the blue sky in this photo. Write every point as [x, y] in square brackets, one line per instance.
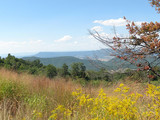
[62, 25]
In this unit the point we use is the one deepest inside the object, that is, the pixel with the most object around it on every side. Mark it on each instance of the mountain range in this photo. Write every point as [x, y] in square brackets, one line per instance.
[59, 61]
[103, 54]
[93, 60]
[113, 64]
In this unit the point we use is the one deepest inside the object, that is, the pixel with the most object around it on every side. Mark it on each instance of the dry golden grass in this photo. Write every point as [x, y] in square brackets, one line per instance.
[56, 91]
[52, 92]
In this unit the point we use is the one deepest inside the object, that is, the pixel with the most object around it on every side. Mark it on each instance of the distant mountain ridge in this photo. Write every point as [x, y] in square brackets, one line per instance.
[103, 54]
[93, 60]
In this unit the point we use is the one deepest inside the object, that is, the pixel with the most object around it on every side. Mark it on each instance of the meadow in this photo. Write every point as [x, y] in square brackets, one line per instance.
[28, 97]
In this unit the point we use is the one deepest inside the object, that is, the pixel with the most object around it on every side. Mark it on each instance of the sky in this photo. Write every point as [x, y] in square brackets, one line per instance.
[30, 26]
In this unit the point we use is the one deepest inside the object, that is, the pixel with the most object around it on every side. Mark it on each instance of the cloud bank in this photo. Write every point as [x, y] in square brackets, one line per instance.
[115, 22]
[97, 28]
[64, 39]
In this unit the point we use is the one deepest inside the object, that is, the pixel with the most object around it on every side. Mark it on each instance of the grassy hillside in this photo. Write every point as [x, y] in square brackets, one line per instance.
[26, 97]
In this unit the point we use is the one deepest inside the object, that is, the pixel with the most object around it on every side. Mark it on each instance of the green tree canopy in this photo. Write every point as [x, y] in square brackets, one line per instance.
[51, 71]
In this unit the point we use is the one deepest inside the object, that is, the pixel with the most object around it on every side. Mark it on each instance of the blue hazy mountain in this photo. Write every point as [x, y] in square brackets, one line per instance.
[103, 54]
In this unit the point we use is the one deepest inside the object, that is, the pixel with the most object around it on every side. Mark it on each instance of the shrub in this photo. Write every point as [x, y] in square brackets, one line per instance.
[11, 90]
[51, 71]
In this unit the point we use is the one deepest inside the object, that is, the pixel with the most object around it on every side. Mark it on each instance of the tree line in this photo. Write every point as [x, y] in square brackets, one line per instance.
[75, 70]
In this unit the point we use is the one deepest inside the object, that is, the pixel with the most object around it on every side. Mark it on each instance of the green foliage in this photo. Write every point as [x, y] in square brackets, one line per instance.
[78, 70]
[36, 102]
[1, 61]
[33, 70]
[82, 70]
[75, 70]
[82, 81]
[95, 83]
[64, 70]
[51, 71]
[139, 76]
[119, 76]
[11, 62]
[11, 90]
[102, 74]
[37, 63]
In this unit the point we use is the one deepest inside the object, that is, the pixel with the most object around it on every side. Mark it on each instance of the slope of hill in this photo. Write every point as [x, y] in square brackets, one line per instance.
[113, 64]
[59, 61]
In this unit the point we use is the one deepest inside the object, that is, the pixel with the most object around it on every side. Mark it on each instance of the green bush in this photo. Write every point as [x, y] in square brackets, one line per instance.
[12, 90]
[51, 71]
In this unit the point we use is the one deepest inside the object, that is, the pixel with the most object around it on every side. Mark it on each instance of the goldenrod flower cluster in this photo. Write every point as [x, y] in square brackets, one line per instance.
[153, 108]
[60, 111]
[124, 105]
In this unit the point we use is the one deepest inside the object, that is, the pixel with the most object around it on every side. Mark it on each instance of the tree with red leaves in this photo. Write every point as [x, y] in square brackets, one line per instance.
[141, 48]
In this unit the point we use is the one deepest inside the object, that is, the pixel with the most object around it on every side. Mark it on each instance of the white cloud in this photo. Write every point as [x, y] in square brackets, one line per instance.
[97, 28]
[64, 39]
[75, 42]
[16, 43]
[20, 46]
[35, 41]
[33, 46]
[115, 22]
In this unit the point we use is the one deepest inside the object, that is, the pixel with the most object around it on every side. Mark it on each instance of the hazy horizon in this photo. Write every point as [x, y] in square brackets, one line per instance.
[22, 54]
